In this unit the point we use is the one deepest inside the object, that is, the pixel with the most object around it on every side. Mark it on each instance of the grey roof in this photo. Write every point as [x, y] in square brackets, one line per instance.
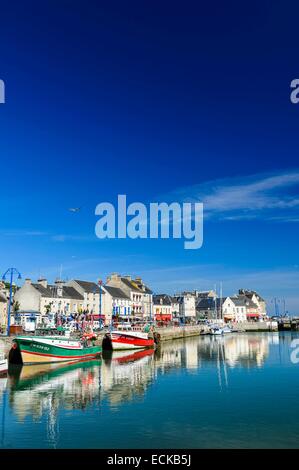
[166, 299]
[88, 286]
[44, 291]
[208, 303]
[239, 301]
[142, 286]
[180, 298]
[71, 293]
[3, 297]
[136, 286]
[250, 294]
[130, 285]
[243, 301]
[147, 290]
[203, 294]
[116, 292]
[51, 291]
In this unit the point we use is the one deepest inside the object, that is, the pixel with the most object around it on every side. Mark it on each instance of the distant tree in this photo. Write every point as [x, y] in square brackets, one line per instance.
[16, 306]
[48, 308]
[7, 286]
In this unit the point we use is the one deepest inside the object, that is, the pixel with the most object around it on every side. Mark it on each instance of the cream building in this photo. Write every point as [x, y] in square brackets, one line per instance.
[91, 295]
[43, 297]
[162, 307]
[187, 309]
[3, 310]
[140, 295]
[254, 297]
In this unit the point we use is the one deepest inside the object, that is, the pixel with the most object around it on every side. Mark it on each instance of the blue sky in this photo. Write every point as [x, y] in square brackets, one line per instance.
[158, 102]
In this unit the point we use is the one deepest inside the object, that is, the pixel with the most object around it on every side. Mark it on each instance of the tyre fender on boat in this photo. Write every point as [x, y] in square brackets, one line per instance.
[157, 337]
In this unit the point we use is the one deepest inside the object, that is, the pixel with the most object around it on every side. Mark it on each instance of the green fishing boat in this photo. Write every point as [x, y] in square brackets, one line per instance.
[47, 349]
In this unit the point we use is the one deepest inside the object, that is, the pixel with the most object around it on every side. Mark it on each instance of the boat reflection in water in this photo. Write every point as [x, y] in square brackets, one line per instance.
[44, 389]
[126, 375]
[45, 392]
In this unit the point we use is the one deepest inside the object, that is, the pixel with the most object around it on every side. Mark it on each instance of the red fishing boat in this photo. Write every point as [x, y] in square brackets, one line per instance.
[126, 337]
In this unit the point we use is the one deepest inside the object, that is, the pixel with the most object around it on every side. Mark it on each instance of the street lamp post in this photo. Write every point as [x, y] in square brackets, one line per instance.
[11, 272]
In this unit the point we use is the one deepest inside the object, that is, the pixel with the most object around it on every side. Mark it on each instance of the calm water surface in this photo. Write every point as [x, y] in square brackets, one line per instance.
[237, 391]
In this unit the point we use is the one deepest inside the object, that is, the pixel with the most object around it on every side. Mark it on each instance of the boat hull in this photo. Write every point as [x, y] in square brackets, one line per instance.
[216, 332]
[3, 367]
[122, 341]
[34, 352]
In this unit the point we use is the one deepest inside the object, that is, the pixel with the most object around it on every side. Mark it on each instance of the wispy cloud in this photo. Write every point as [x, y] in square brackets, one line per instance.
[246, 197]
[22, 232]
[68, 237]
[281, 283]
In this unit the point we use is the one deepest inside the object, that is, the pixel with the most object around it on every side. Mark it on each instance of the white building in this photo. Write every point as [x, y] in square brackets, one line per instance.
[187, 310]
[116, 303]
[234, 309]
[175, 308]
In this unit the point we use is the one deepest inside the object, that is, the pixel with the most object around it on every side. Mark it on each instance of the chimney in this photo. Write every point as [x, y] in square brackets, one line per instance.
[43, 282]
[28, 281]
[59, 287]
[129, 278]
[113, 280]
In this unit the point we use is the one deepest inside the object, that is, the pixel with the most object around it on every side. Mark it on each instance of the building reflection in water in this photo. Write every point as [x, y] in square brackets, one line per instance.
[236, 349]
[43, 390]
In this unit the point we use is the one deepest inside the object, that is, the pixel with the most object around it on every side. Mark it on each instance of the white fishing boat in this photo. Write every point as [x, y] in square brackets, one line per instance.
[226, 329]
[216, 331]
[3, 364]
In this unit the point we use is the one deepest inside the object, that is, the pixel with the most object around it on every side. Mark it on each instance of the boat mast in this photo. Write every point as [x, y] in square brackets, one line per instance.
[215, 301]
[220, 303]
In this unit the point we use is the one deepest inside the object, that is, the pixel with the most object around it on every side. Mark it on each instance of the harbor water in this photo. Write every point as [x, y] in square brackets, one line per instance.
[237, 391]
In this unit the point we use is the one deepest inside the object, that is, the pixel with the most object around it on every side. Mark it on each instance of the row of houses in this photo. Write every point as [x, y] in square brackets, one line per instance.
[247, 305]
[128, 297]
[121, 296]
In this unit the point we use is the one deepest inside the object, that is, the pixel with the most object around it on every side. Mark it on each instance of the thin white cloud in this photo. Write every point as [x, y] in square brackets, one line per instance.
[280, 283]
[64, 238]
[244, 197]
[22, 232]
